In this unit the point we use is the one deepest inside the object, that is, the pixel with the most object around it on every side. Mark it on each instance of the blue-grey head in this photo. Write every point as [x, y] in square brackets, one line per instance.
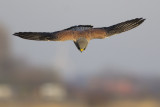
[81, 44]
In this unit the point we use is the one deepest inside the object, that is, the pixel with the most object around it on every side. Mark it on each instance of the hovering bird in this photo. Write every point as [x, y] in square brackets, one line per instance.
[82, 34]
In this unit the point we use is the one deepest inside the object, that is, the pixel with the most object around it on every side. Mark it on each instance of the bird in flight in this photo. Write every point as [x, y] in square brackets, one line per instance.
[82, 34]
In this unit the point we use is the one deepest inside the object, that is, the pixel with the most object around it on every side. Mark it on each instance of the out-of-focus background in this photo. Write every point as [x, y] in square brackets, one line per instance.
[120, 71]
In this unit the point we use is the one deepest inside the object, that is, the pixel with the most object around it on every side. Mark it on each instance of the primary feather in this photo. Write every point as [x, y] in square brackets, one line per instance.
[124, 26]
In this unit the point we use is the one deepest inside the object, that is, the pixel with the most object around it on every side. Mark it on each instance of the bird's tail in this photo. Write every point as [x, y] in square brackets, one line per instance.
[124, 26]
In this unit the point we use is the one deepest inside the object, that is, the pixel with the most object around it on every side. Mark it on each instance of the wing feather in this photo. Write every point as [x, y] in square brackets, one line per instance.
[124, 26]
[44, 36]
[100, 33]
[67, 34]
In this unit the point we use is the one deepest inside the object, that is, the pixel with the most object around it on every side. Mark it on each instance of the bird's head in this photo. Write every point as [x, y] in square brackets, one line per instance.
[81, 44]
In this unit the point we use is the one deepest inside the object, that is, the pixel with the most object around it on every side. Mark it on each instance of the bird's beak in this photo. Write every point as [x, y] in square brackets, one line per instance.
[81, 50]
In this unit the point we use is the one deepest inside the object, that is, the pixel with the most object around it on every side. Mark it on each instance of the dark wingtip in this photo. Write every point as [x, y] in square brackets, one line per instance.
[16, 34]
[138, 21]
[141, 19]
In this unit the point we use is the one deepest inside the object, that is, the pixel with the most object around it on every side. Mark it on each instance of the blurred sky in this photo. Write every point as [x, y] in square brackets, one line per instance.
[138, 49]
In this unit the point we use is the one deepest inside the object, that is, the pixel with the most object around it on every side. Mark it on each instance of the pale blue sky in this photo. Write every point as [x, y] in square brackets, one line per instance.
[138, 49]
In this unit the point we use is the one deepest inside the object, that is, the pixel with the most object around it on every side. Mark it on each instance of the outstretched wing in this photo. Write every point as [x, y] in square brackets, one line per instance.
[121, 27]
[44, 36]
[63, 35]
[124, 26]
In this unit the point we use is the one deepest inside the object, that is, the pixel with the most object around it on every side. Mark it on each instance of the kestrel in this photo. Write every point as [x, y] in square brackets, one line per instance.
[82, 34]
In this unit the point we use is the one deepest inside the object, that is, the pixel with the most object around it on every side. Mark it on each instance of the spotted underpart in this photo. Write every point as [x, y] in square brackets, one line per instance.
[80, 28]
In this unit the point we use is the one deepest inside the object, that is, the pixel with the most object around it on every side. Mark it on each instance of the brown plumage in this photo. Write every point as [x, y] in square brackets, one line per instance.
[81, 32]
